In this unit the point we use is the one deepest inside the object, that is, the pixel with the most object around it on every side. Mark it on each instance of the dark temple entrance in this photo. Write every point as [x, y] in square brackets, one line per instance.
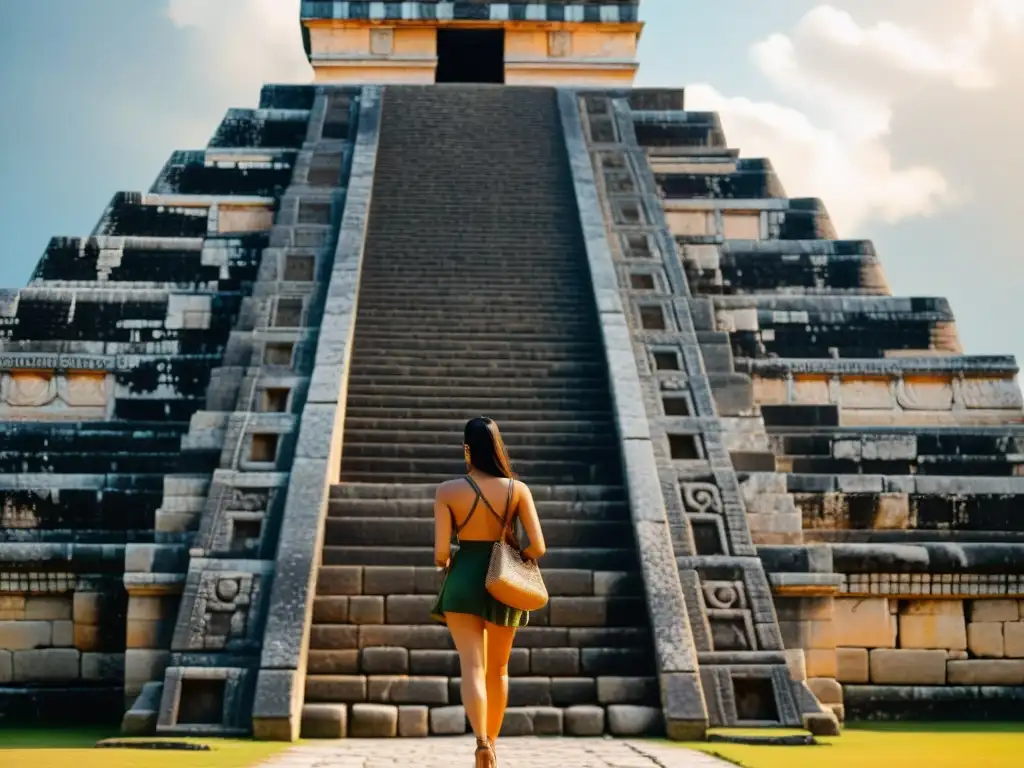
[471, 56]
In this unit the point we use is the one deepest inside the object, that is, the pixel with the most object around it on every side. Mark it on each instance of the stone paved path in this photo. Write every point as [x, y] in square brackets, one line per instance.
[523, 752]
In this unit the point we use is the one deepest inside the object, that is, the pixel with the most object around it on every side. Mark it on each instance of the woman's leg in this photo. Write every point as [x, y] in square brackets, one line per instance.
[468, 634]
[499, 649]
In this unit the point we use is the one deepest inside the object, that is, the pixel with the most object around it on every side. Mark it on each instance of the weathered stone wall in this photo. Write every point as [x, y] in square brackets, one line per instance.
[877, 464]
[107, 362]
[50, 638]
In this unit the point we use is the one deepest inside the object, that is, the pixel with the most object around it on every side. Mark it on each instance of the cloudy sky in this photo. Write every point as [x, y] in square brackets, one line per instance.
[904, 116]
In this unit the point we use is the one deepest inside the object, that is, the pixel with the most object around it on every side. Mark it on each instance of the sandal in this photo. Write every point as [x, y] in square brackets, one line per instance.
[485, 754]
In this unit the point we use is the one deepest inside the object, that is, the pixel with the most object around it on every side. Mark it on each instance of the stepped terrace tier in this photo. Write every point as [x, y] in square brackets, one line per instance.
[775, 494]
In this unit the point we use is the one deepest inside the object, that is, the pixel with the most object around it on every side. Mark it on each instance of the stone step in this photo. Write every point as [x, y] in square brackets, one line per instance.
[337, 582]
[414, 433]
[500, 325]
[434, 636]
[483, 400]
[510, 339]
[546, 471]
[582, 371]
[452, 451]
[558, 663]
[386, 293]
[572, 718]
[524, 691]
[549, 511]
[512, 430]
[494, 271]
[510, 373]
[415, 355]
[499, 328]
[590, 558]
[512, 389]
[541, 493]
[596, 611]
[501, 415]
[427, 308]
[391, 532]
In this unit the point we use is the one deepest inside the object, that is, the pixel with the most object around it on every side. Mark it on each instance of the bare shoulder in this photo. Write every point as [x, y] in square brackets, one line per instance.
[445, 489]
[522, 490]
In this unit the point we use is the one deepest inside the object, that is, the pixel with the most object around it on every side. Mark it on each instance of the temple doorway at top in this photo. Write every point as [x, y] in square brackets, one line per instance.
[470, 56]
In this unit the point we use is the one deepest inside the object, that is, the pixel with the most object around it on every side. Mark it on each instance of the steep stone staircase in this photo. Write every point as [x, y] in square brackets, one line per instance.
[475, 300]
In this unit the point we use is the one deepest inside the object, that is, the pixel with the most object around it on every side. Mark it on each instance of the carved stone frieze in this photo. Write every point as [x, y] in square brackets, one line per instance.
[223, 611]
[47, 395]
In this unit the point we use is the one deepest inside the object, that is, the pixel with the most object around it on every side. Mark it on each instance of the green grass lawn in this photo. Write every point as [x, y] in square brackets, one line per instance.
[51, 748]
[881, 745]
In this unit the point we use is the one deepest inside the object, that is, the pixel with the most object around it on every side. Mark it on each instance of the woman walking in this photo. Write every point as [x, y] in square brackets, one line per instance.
[479, 508]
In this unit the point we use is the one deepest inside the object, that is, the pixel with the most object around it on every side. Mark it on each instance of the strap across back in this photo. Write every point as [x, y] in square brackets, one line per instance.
[503, 519]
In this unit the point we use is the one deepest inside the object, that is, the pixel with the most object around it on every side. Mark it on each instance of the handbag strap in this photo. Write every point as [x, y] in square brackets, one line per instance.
[507, 534]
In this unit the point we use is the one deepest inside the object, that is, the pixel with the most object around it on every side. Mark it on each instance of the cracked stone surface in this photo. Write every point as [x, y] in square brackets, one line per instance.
[525, 752]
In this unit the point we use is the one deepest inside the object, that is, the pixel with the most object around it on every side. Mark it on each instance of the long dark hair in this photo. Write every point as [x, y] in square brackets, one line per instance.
[486, 448]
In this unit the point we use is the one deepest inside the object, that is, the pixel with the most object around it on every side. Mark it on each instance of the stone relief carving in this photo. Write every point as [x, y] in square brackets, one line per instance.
[701, 498]
[732, 630]
[725, 594]
[866, 394]
[987, 393]
[924, 395]
[221, 611]
[32, 391]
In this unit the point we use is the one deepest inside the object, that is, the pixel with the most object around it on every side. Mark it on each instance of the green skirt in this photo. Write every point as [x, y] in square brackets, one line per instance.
[464, 589]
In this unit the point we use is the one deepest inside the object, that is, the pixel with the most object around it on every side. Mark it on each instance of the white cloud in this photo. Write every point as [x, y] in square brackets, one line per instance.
[848, 79]
[244, 43]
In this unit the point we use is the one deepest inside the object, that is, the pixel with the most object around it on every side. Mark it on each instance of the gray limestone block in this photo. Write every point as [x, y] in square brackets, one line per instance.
[626, 690]
[822, 724]
[63, 634]
[517, 722]
[366, 609]
[632, 720]
[646, 502]
[25, 635]
[670, 625]
[547, 721]
[324, 721]
[571, 691]
[334, 345]
[733, 393]
[373, 721]
[409, 609]
[47, 665]
[384, 661]
[141, 719]
[408, 690]
[320, 421]
[103, 666]
[630, 413]
[389, 580]
[448, 721]
[555, 662]
[277, 690]
[291, 594]
[584, 720]
[684, 708]
[326, 384]
[703, 312]
[413, 721]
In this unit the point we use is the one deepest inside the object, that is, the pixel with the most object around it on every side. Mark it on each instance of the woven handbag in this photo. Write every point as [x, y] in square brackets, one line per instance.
[512, 580]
